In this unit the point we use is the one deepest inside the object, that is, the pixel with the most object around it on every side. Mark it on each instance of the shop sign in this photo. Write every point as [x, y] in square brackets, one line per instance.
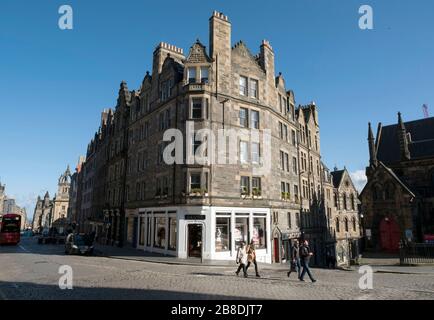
[194, 217]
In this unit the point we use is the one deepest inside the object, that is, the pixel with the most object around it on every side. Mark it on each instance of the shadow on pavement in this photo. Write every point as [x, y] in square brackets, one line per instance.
[33, 291]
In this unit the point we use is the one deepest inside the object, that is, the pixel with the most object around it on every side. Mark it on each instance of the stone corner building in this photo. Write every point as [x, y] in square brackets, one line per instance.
[398, 200]
[130, 195]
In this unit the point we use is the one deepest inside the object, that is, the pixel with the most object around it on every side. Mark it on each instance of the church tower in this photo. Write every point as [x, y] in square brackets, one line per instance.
[64, 184]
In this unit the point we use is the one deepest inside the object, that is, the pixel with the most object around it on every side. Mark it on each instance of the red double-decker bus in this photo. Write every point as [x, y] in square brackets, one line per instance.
[10, 225]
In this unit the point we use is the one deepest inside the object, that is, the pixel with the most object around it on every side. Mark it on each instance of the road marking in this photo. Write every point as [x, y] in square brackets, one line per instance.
[24, 249]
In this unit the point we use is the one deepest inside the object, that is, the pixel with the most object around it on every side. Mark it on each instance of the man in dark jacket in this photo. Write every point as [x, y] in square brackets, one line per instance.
[305, 254]
[295, 260]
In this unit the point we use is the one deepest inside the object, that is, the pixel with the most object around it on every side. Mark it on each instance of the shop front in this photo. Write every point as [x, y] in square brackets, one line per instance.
[209, 233]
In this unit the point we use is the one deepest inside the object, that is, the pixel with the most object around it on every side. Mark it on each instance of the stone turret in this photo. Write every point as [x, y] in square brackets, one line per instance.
[372, 149]
[161, 52]
[403, 139]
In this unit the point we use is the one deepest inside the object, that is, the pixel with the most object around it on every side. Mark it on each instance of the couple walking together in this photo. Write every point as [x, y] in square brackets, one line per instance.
[246, 255]
[300, 258]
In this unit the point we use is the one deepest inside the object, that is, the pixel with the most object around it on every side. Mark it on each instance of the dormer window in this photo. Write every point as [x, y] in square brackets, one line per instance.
[204, 74]
[191, 75]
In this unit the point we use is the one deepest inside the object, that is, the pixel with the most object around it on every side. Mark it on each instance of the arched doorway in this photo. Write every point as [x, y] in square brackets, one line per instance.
[389, 235]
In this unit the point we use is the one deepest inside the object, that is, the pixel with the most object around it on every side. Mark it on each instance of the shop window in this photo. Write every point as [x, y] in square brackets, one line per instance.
[160, 232]
[172, 233]
[142, 232]
[149, 232]
[259, 233]
[241, 231]
[222, 234]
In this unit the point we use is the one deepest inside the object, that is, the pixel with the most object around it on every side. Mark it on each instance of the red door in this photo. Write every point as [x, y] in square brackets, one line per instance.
[276, 250]
[389, 235]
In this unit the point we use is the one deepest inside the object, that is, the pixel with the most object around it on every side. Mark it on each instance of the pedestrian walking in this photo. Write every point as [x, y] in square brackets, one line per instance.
[242, 259]
[251, 257]
[305, 255]
[295, 260]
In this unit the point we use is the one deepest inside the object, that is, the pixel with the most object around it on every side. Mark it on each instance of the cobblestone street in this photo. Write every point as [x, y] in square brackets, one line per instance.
[30, 271]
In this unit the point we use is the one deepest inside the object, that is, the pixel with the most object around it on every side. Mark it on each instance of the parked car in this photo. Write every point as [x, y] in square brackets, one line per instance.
[77, 244]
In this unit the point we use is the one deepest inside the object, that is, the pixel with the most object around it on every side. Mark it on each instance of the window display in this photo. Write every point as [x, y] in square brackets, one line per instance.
[241, 231]
[172, 233]
[160, 232]
[259, 236]
[222, 239]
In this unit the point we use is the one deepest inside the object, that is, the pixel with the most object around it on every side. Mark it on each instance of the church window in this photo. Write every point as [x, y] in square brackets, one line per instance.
[345, 201]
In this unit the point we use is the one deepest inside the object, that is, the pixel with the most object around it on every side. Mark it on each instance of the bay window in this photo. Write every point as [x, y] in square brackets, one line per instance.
[191, 75]
[196, 108]
[204, 74]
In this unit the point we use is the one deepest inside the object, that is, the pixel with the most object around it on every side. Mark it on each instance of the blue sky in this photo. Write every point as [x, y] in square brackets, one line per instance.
[54, 83]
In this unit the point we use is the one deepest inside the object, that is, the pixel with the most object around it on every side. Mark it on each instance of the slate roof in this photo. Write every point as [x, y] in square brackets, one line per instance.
[421, 145]
[337, 177]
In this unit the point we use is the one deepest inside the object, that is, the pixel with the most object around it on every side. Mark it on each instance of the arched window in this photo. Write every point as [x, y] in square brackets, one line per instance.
[338, 227]
[346, 224]
[354, 224]
[345, 201]
[389, 191]
[353, 202]
[376, 192]
[336, 199]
